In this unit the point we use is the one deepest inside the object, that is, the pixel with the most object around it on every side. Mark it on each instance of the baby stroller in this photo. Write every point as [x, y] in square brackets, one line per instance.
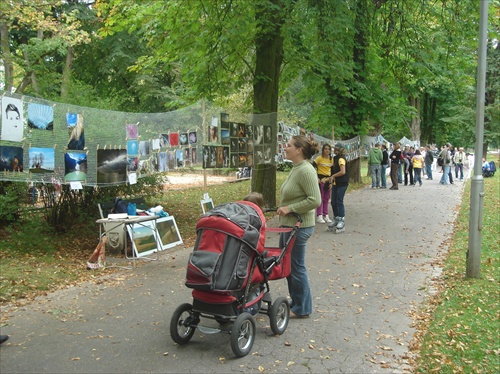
[490, 170]
[229, 271]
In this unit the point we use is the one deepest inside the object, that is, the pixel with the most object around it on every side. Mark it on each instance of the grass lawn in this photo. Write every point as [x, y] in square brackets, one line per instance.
[459, 329]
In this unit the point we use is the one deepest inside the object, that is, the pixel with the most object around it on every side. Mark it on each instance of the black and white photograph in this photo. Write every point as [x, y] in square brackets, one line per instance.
[12, 119]
[111, 166]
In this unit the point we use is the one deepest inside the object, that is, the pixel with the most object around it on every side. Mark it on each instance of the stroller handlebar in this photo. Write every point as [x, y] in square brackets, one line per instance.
[296, 215]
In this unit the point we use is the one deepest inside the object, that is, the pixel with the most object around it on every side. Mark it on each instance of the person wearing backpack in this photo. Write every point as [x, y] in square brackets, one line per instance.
[445, 156]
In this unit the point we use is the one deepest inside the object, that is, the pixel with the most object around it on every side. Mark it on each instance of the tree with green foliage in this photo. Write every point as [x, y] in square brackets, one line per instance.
[38, 38]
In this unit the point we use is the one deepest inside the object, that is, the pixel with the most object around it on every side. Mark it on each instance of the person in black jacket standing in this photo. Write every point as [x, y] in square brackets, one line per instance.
[395, 158]
[385, 165]
[340, 181]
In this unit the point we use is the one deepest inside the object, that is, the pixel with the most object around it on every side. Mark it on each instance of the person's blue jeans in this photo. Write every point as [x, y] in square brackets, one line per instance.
[338, 193]
[428, 171]
[375, 172]
[383, 177]
[418, 176]
[400, 173]
[298, 280]
[444, 177]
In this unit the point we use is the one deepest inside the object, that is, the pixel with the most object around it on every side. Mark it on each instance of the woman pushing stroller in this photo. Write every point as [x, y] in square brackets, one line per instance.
[299, 194]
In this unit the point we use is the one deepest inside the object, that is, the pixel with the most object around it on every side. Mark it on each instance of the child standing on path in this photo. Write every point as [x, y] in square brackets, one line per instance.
[418, 162]
[323, 164]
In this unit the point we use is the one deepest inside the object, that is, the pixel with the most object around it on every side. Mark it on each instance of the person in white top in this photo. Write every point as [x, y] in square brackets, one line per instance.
[458, 160]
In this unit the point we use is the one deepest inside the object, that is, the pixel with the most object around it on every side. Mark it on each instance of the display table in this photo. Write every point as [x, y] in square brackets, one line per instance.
[142, 231]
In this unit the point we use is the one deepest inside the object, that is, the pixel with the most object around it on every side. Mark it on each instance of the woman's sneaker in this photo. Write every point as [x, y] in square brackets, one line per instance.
[327, 219]
[319, 219]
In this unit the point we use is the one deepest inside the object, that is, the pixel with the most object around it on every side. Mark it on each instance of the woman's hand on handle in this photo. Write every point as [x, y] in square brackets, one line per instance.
[283, 211]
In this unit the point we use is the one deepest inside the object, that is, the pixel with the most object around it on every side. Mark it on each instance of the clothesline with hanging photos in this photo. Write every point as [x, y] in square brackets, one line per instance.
[43, 141]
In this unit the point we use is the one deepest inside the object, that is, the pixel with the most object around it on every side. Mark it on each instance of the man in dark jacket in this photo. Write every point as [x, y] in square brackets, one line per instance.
[429, 159]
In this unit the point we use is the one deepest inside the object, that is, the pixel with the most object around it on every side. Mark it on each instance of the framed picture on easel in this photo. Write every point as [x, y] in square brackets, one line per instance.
[168, 232]
[144, 238]
[206, 204]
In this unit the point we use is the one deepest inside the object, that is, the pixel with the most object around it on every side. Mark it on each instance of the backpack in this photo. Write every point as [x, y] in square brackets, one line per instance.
[440, 161]
[121, 206]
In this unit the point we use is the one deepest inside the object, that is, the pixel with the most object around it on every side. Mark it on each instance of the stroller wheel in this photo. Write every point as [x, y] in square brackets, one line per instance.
[279, 315]
[183, 324]
[243, 334]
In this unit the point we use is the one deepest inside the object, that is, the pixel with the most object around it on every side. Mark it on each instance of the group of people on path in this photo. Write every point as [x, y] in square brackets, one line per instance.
[409, 165]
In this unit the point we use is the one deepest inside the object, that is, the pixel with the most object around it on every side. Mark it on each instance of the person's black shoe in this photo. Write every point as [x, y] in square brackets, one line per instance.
[3, 338]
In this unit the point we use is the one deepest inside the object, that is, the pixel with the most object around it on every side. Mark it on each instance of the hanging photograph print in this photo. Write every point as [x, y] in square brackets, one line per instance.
[187, 156]
[156, 144]
[171, 160]
[133, 147]
[75, 167]
[241, 130]
[41, 160]
[183, 138]
[162, 161]
[209, 157]
[213, 134]
[193, 139]
[111, 166]
[11, 158]
[233, 129]
[268, 134]
[220, 157]
[40, 116]
[174, 139]
[12, 119]
[164, 140]
[144, 167]
[225, 157]
[76, 140]
[179, 158]
[143, 148]
[234, 160]
[194, 158]
[258, 135]
[132, 131]
[224, 136]
[133, 163]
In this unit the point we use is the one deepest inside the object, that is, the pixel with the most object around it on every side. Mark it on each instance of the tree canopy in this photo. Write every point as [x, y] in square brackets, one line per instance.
[397, 67]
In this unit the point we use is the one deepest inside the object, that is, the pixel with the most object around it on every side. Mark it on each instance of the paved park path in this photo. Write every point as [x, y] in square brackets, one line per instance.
[367, 283]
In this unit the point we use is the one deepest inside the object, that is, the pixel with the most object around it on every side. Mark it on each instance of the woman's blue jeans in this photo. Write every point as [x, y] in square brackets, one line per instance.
[383, 177]
[338, 193]
[298, 280]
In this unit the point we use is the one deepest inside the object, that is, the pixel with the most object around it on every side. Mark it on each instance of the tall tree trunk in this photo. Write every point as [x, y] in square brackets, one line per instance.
[6, 57]
[415, 120]
[361, 44]
[269, 57]
[66, 76]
